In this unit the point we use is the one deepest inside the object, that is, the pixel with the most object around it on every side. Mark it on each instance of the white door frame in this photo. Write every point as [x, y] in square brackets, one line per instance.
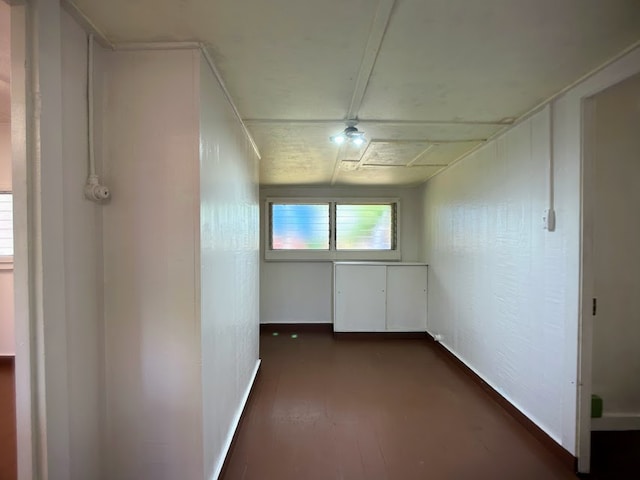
[25, 372]
[587, 292]
[39, 295]
[622, 67]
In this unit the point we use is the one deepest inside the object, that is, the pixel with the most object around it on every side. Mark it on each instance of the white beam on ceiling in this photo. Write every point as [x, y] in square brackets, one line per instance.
[376, 35]
[423, 140]
[361, 121]
[336, 166]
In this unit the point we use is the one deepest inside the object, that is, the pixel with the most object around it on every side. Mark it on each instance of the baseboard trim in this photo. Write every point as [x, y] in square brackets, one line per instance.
[237, 420]
[543, 437]
[296, 327]
[381, 335]
[615, 423]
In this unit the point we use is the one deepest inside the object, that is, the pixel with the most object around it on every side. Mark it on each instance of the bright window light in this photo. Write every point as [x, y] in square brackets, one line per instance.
[299, 226]
[364, 227]
[331, 229]
[6, 226]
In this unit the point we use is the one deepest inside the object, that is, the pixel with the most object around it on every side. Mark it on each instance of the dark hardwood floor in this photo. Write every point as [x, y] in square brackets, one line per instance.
[8, 459]
[376, 409]
[373, 409]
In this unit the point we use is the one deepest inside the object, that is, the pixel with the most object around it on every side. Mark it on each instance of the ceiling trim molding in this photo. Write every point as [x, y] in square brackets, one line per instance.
[79, 16]
[426, 140]
[421, 154]
[216, 73]
[390, 165]
[371, 51]
[193, 45]
[146, 46]
[364, 155]
[634, 46]
[361, 121]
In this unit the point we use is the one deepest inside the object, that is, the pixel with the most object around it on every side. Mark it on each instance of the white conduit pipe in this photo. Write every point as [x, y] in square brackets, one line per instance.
[550, 213]
[92, 190]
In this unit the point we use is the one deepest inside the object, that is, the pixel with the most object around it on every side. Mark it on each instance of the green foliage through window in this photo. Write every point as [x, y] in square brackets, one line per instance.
[309, 226]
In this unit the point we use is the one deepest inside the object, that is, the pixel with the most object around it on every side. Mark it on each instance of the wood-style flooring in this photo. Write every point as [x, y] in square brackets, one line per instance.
[376, 409]
[373, 409]
[8, 458]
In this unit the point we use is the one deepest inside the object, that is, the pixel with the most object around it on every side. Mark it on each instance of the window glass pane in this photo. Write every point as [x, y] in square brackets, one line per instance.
[6, 225]
[299, 226]
[364, 227]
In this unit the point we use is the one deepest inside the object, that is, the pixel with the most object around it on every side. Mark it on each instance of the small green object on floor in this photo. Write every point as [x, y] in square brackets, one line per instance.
[275, 334]
[294, 335]
[596, 406]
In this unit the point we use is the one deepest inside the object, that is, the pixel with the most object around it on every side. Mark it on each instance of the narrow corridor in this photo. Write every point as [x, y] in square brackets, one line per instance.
[376, 409]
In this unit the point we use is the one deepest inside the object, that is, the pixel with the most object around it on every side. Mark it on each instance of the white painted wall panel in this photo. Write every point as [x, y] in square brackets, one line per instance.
[616, 327]
[229, 268]
[301, 292]
[500, 290]
[5, 156]
[152, 329]
[83, 264]
[7, 343]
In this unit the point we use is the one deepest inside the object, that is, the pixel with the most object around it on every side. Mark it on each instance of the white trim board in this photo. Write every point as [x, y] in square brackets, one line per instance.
[616, 422]
[236, 422]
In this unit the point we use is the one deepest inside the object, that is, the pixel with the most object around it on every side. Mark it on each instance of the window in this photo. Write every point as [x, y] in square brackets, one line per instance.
[353, 229]
[299, 226]
[6, 227]
[364, 227]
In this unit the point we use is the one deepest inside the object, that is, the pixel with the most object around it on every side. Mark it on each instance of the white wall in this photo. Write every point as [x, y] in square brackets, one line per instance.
[7, 343]
[505, 293]
[500, 289]
[152, 329]
[301, 292]
[229, 245]
[616, 196]
[83, 264]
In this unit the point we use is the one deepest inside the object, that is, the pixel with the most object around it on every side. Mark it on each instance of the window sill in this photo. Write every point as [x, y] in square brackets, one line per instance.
[6, 264]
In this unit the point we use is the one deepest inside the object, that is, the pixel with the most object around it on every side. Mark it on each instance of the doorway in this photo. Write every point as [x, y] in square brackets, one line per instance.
[611, 284]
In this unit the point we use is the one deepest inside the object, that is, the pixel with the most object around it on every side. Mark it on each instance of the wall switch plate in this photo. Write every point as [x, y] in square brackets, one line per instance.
[549, 220]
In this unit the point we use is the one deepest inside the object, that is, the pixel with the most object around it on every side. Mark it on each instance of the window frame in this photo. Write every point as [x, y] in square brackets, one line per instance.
[6, 261]
[332, 254]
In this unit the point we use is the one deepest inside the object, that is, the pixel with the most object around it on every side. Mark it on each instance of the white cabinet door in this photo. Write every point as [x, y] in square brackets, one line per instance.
[360, 298]
[407, 298]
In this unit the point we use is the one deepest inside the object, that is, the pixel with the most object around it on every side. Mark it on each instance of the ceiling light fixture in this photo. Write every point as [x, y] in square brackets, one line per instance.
[350, 134]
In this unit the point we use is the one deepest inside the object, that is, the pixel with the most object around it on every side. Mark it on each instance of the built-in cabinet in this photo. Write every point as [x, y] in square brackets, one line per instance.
[379, 297]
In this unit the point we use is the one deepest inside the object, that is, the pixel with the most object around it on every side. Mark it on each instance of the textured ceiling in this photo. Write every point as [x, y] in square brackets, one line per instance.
[5, 64]
[428, 79]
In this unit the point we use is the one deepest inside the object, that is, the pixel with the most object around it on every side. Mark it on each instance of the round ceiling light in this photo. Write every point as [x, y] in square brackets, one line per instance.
[351, 135]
